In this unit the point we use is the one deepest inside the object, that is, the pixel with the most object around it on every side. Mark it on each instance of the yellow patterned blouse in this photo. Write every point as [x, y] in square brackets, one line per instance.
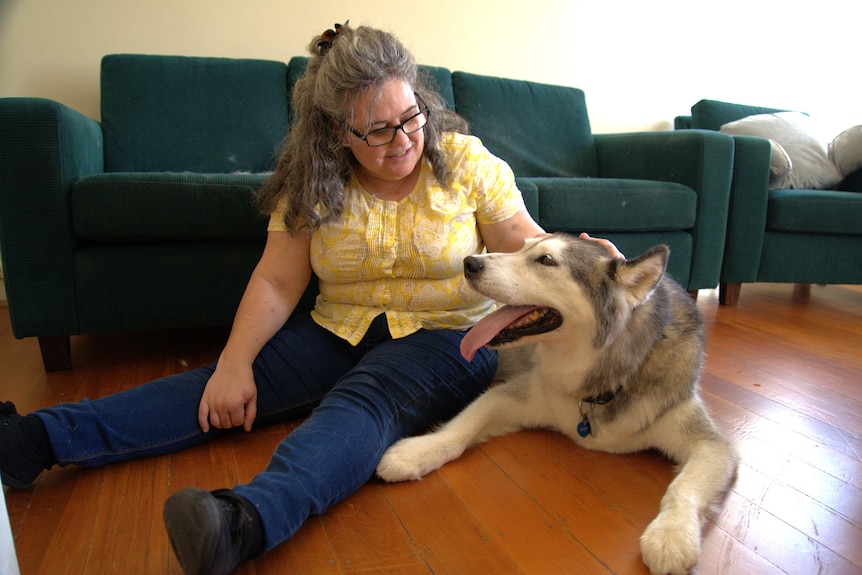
[405, 258]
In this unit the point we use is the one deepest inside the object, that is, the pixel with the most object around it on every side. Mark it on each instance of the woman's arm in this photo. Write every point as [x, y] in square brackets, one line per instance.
[510, 234]
[278, 281]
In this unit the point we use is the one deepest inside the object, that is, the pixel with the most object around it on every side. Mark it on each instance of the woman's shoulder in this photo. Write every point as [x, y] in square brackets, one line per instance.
[460, 147]
[457, 141]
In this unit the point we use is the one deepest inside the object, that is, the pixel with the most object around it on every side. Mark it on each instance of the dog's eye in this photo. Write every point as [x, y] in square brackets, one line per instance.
[547, 260]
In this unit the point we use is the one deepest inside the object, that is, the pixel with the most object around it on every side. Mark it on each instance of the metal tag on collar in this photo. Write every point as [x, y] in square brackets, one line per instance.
[584, 427]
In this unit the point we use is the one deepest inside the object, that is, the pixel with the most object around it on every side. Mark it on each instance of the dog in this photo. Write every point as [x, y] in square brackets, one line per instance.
[605, 350]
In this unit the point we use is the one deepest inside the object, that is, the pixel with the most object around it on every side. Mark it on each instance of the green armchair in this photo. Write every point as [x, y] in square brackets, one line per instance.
[786, 235]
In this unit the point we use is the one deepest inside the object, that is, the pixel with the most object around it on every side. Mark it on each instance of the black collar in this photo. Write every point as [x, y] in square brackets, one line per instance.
[602, 398]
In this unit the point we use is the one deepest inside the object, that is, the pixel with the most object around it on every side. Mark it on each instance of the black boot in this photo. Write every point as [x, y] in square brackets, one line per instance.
[212, 533]
[24, 448]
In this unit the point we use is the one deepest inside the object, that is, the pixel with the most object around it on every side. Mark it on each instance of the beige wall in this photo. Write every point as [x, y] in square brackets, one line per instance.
[640, 63]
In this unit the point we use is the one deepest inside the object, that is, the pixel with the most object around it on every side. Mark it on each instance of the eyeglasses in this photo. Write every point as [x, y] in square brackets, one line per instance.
[383, 136]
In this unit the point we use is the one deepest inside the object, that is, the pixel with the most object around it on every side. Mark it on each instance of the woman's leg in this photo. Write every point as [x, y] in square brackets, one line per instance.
[399, 388]
[161, 416]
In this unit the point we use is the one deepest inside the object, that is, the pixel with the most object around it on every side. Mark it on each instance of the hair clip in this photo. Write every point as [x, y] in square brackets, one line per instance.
[328, 37]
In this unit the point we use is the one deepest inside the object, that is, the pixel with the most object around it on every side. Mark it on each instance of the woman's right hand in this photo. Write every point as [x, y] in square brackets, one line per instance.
[229, 400]
[277, 283]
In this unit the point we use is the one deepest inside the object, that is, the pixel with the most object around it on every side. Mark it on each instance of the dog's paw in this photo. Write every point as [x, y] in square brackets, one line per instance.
[415, 457]
[671, 544]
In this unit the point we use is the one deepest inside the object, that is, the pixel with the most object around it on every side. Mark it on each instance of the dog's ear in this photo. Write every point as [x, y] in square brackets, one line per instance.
[641, 275]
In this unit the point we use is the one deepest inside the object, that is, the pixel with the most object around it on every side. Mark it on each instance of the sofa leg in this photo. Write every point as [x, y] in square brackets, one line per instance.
[693, 294]
[56, 352]
[728, 294]
[801, 292]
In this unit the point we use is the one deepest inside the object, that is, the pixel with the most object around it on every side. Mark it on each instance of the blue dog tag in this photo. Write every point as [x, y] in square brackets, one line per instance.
[584, 427]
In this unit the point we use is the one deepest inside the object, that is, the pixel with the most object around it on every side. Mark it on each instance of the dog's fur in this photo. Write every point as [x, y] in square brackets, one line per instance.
[606, 326]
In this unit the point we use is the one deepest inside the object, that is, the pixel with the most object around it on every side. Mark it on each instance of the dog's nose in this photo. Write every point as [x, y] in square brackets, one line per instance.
[472, 266]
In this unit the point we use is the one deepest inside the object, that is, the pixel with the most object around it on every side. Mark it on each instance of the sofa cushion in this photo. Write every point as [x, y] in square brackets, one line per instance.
[713, 114]
[814, 211]
[530, 193]
[161, 285]
[608, 204]
[167, 206]
[539, 129]
[845, 151]
[440, 79]
[173, 113]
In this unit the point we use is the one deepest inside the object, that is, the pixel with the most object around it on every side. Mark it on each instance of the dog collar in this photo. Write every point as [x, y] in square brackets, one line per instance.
[584, 427]
[601, 399]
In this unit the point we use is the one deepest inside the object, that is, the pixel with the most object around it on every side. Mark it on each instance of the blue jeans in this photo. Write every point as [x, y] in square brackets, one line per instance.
[366, 397]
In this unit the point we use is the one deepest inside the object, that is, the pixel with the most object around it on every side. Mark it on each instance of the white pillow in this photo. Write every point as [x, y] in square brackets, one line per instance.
[845, 151]
[779, 167]
[798, 136]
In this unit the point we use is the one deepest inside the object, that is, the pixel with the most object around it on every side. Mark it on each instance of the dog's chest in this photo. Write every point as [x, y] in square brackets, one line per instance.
[555, 406]
[565, 410]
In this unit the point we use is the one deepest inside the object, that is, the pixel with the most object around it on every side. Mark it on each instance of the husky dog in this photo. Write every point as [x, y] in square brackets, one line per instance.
[605, 350]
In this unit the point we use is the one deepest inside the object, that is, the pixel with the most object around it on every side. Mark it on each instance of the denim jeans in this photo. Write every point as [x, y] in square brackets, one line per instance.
[364, 398]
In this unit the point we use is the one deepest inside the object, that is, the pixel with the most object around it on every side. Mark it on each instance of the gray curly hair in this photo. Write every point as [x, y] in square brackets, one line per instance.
[315, 166]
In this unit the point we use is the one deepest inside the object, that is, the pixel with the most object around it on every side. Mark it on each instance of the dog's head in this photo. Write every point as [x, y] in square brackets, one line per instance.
[555, 285]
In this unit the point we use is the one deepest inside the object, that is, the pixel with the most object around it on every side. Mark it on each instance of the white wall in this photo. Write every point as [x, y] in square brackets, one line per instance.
[8, 558]
[640, 63]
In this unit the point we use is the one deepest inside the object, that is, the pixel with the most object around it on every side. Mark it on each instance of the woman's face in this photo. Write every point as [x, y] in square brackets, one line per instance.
[398, 159]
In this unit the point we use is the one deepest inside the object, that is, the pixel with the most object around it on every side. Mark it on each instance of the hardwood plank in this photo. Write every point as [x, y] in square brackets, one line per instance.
[56, 536]
[309, 551]
[777, 542]
[448, 536]
[534, 538]
[836, 494]
[722, 555]
[606, 528]
[368, 538]
[780, 418]
[753, 357]
[137, 491]
[802, 512]
[630, 484]
[764, 443]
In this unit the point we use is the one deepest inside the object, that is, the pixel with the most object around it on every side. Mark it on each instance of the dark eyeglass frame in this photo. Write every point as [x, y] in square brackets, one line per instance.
[393, 130]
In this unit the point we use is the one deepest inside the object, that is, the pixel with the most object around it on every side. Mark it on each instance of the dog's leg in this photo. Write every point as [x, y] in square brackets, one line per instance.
[496, 412]
[671, 543]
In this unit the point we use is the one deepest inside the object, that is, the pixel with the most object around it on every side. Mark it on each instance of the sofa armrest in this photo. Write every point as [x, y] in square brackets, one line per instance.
[44, 148]
[682, 123]
[699, 159]
[749, 196]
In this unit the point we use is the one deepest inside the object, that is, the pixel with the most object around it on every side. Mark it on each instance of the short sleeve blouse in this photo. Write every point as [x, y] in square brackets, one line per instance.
[405, 258]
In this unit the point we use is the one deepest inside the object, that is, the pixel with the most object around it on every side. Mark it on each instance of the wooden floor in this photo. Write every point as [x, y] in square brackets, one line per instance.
[783, 378]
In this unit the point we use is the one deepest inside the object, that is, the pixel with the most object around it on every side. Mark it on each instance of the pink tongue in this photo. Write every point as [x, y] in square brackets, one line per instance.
[489, 326]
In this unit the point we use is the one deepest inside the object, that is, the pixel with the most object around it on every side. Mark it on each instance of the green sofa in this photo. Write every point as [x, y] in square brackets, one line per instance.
[782, 235]
[145, 219]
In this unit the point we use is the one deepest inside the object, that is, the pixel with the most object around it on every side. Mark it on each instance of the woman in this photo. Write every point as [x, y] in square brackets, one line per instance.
[379, 194]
